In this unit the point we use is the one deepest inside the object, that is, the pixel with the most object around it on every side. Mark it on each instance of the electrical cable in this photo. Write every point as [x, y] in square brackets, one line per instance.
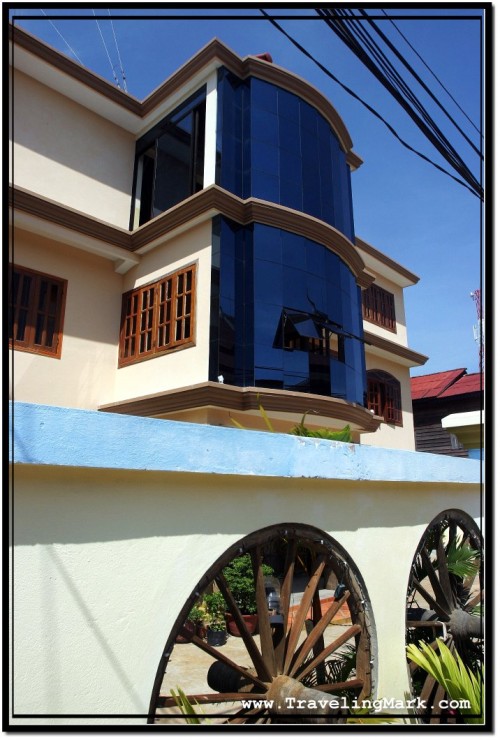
[122, 71]
[367, 106]
[64, 40]
[417, 78]
[351, 32]
[106, 50]
[433, 74]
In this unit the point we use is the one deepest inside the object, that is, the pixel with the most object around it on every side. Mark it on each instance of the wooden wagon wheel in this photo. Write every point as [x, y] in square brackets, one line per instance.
[445, 601]
[297, 654]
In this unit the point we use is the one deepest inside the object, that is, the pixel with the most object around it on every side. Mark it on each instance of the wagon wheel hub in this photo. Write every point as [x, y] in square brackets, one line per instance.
[300, 662]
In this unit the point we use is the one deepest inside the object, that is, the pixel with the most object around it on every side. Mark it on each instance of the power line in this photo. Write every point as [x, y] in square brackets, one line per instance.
[366, 105]
[348, 27]
[443, 87]
[106, 50]
[64, 40]
[122, 71]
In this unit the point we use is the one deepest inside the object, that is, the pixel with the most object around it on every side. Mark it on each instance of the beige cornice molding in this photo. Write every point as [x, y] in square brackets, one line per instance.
[409, 278]
[214, 53]
[397, 350]
[234, 398]
[201, 206]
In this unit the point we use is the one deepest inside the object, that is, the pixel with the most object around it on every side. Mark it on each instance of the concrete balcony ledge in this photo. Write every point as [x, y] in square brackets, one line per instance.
[54, 436]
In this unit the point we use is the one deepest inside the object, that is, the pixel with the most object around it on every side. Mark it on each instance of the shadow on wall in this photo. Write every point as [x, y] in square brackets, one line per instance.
[69, 505]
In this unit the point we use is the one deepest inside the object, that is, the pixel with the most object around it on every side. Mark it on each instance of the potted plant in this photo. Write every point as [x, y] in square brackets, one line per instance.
[197, 616]
[215, 606]
[240, 579]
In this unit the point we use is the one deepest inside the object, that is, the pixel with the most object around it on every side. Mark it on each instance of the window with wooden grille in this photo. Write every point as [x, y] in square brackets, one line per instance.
[378, 307]
[36, 310]
[158, 317]
[384, 396]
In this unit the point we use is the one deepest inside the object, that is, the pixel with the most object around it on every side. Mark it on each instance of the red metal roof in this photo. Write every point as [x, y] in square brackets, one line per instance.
[433, 385]
[472, 383]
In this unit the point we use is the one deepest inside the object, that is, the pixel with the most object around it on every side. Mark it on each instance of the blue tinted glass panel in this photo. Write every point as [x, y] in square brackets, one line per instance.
[267, 322]
[308, 118]
[268, 282]
[290, 166]
[294, 251]
[288, 106]
[268, 356]
[268, 378]
[265, 186]
[265, 157]
[291, 194]
[264, 95]
[267, 244]
[316, 259]
[289, 137]
[264, 126]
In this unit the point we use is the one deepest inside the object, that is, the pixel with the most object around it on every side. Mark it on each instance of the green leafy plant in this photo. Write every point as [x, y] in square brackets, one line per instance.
[240, 579]
[197, 615]
[449, 670]
[216, 606]
[185, 706]
[300, 429]
[462, 560]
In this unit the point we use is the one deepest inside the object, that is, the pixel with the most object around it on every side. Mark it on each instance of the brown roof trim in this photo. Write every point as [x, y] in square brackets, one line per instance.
[388, 261]
[395, 349]
[70, 218]
[213, 51]
[218, 200]
[235, 398]
[34, 46]
[211, 201]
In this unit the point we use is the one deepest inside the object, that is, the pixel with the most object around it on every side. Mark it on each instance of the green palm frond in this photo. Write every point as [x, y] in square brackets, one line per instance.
[462, 560]
[449, 670]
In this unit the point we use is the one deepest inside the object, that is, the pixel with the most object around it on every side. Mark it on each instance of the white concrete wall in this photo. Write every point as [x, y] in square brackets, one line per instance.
[117, 518]
[71, 155]
[104, 562]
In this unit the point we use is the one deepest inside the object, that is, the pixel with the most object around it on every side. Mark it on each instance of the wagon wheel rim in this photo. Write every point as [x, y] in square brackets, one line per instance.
[285, 654]
[440, 605]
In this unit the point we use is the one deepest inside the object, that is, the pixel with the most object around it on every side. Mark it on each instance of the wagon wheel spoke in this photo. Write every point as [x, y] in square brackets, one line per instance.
[454, 597]
[316, 634]
[304, 606]
[219, 698]
[250, 644]
[441, 597]
[354, 630]
[254, 668]
[444, 574]
[224, 659]
[330, 688]
[286, 594]
[266, 638]
[430, 600]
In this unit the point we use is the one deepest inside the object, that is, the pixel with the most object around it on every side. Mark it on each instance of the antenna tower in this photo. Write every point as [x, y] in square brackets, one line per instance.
[478, 328]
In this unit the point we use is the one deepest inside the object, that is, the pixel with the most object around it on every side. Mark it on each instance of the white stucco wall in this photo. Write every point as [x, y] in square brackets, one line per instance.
[106, 554]
[183, 367]
[84, 375]
[392, 435]
[69, 154]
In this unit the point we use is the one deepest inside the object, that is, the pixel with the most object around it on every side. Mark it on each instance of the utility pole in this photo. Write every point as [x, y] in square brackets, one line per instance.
[478, 328]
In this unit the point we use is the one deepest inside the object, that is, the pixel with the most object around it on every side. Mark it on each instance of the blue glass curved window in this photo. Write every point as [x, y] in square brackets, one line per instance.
[286, 313]
[275, 146]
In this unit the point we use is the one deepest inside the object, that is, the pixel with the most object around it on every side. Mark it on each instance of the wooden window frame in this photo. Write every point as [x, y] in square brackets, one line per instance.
[34, 312]
[158, 317]
[384, 396]
[379, 308]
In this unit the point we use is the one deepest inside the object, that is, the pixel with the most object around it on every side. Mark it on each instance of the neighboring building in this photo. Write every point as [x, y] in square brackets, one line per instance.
[436, 397]
[193, 255]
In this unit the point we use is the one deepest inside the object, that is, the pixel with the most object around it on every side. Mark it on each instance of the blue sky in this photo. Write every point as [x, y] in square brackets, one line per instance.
[402, 205]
